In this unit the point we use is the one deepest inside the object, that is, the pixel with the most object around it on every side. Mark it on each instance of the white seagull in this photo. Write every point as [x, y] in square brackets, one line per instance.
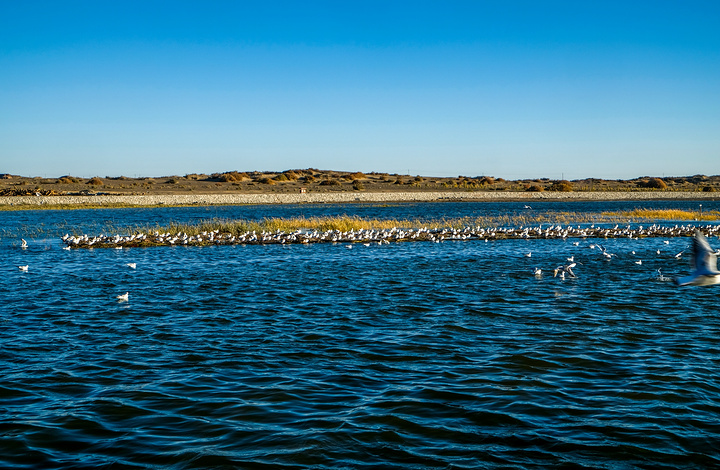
[123, 298]
[131, 265]
[24, 268]
[23, 243]
[564, 269]
[705, 263]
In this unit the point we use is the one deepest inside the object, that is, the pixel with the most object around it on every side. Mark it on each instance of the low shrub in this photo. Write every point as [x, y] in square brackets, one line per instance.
[67, 179]
[231, 176]
[561, 185]
[652, 183]
[95, 181]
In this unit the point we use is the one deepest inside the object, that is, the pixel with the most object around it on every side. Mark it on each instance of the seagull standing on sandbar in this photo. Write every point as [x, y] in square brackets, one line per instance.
[705, 263]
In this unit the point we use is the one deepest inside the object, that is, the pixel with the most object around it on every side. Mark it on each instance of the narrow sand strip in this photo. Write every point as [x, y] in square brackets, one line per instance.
[345, 197]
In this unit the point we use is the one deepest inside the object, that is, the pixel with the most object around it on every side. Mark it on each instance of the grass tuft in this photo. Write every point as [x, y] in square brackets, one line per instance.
[665, 214]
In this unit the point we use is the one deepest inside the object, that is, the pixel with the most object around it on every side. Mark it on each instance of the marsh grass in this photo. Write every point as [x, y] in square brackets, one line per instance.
[347, 223]
[276, 224]
[665, 214]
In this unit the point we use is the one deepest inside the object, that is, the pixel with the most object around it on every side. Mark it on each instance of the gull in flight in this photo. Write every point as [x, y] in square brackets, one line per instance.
[23, 243]
[131, 265]
[704, 261]
[24, 268]
[537, 272]
[564, 269]
[608, 256]
[123, 298]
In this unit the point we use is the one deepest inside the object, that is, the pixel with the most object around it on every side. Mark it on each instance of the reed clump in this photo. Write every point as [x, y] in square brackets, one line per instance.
[347, 223]
[276, 224]
[666, 214]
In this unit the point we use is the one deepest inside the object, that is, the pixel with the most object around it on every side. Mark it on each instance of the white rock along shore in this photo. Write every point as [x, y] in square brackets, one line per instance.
[344, 197]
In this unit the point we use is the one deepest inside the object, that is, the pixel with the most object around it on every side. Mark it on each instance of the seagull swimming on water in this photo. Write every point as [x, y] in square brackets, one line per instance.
[123, 298]
[23, 243]
[131, 265]
[705, 263]
[24, 268]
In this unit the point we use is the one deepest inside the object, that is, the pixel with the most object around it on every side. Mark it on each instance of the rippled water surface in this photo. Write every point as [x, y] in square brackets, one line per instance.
[411, 355]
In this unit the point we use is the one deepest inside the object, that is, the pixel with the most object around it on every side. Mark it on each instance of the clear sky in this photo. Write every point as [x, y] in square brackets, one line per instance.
[506, 88]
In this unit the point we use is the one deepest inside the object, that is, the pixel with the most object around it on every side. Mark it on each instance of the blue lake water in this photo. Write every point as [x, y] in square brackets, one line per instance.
[409, 355]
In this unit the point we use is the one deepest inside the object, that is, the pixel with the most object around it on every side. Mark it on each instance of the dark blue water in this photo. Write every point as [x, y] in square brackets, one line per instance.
[412, 355]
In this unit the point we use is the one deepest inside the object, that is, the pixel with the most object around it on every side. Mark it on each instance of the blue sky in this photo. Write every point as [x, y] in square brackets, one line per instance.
[512, 89]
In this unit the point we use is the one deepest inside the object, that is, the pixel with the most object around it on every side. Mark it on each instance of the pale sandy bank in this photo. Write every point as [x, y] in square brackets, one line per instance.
[345, 197]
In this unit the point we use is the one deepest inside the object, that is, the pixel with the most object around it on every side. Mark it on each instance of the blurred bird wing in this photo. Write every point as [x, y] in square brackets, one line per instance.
[704, 258]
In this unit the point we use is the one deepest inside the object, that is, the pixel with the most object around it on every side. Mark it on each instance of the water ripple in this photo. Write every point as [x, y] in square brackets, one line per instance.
[448, 355]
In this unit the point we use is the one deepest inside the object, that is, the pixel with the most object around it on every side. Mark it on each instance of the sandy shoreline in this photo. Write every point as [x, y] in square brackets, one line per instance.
[345, 197]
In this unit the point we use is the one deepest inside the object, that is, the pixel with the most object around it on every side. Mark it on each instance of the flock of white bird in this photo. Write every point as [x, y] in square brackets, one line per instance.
[394, 234]
[704, 262]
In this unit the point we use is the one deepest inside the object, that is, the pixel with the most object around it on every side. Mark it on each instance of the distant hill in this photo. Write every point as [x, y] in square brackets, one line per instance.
[314, 180]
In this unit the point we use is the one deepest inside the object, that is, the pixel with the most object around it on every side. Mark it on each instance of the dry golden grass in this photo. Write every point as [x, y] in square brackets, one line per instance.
[347, 223]
[321, 224]
[665, 214]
